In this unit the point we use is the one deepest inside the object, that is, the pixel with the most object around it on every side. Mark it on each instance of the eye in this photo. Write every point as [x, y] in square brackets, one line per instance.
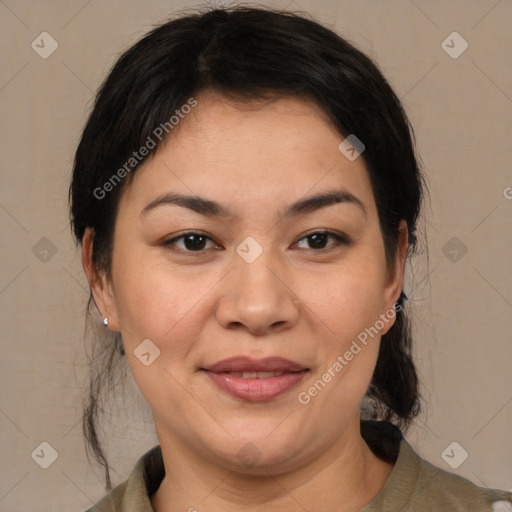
[318, 240]
[193, 241]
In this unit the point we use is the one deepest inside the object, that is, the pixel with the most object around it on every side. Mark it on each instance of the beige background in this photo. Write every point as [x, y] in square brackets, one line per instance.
[462, 112]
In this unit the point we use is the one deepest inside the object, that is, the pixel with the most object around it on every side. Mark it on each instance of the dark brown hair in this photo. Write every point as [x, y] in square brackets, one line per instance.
[248, 53]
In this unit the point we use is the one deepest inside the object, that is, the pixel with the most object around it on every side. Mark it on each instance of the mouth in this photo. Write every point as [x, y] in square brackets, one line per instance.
[255, 380]
[244, 364]
[255, 375]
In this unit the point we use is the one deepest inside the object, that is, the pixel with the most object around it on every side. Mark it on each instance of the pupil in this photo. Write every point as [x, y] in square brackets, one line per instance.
[189, 242]
[316, 237]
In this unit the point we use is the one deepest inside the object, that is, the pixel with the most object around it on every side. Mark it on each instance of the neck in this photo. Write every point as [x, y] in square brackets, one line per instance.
[344, 478]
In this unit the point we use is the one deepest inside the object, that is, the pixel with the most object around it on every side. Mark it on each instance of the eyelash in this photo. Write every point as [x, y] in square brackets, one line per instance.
[339, 238]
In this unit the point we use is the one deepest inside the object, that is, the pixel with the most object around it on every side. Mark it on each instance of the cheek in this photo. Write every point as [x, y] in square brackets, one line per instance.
[154, 302]
[347, 304]
[347, 298]
[162, 302]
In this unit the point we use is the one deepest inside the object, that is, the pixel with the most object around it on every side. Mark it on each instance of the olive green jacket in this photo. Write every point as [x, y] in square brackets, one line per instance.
[414, 484]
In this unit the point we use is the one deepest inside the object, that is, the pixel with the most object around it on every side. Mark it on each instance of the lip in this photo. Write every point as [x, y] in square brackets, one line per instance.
[255, 389]
[248, 364]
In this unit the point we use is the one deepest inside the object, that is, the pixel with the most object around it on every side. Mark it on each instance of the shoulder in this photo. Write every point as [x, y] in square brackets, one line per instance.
[134, 494]
[416, 485]
[112, 502]
[433, 488]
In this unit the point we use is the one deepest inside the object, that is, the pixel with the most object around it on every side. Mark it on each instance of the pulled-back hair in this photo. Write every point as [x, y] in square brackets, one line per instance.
[247, 53]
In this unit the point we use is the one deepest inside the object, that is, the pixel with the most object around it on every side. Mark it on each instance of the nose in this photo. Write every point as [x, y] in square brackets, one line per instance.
[258, 297]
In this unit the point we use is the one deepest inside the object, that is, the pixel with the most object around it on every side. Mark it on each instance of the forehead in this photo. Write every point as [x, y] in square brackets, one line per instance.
[276, 123]
[241, 151]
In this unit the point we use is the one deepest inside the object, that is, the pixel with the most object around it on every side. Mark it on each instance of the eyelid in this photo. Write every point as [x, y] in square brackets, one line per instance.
[175, 238]
[341, 238]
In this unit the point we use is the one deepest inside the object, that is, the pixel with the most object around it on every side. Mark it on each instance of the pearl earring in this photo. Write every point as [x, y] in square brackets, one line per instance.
[105, 321]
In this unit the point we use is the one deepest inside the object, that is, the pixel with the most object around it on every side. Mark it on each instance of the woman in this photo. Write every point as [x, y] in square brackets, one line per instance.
[246, 194]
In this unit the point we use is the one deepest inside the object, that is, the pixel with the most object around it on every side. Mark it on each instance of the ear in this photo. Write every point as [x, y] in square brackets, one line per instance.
[101, 286]
[395, 275]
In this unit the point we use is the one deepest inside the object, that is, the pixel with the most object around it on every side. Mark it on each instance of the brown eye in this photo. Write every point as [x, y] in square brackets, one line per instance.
[192, 242]
[318, 240]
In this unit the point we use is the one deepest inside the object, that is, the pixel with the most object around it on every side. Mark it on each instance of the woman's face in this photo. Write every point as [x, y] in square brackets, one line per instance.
[255, 284]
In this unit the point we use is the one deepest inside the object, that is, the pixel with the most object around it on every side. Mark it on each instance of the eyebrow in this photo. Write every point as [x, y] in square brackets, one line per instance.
[211, 208]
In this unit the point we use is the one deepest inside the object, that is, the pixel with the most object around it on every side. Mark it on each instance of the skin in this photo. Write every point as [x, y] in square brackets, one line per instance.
[293, 301]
